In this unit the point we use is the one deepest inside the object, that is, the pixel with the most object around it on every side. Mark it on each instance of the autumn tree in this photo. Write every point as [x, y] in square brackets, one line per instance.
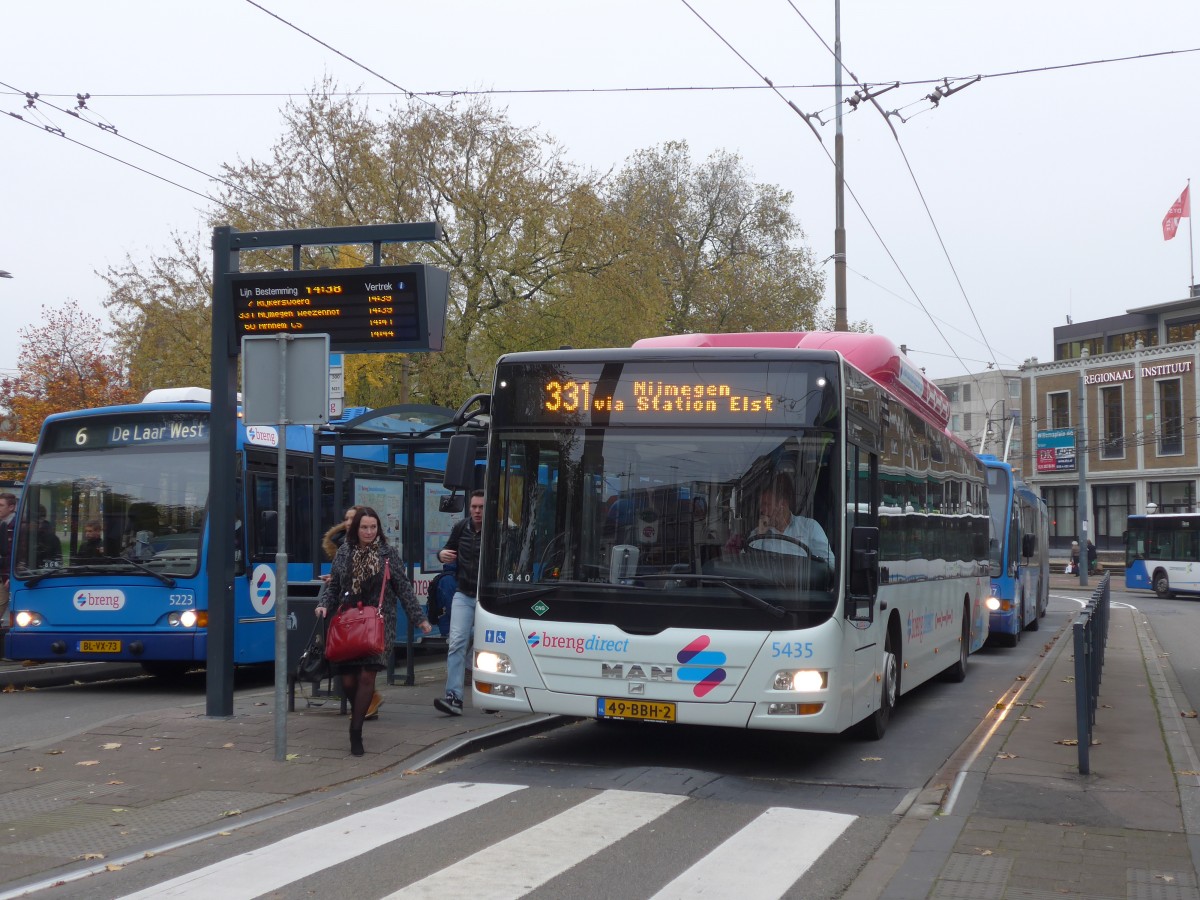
[541, 252]
[63, 364]
[162, 313]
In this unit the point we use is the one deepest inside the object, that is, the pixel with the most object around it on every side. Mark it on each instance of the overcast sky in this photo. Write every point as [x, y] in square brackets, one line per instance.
[1047, 188]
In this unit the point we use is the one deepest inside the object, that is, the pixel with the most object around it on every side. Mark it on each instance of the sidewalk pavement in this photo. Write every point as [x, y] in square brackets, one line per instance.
[1010, 816]
[112, 793]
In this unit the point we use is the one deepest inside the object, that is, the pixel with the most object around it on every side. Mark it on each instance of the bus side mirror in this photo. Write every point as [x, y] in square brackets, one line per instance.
[460, 462]
[864, 574]
[452, 503]
[1028, 545]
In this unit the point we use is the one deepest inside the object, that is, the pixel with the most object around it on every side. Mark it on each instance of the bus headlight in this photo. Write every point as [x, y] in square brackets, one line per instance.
[495, 663]
[189, 618]
[801, 680]
[28, 619]
[992, 604]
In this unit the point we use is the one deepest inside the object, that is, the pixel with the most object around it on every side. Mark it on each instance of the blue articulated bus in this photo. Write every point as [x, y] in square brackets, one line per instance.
[109, 559]
[1018, 544]
[1162, 553]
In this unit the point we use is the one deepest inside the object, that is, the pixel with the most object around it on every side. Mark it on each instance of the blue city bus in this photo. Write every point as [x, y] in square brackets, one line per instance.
[1018, 553]
[1162, 553]
[109, 560]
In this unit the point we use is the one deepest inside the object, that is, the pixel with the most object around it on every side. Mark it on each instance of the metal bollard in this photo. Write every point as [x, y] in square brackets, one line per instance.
[1090, 633]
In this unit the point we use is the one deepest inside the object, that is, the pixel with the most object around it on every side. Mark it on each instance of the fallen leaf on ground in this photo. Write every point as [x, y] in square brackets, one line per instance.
[231, 812]
[110, 746]
[156, 748]
[1167, 878]
[1020, 678]
[1188, 772]
[35, 768]
[1024, 719]
[55, 752]
[224, 833]
[1189, 714]
[291, 756]
[1006, 756]
[88, 762]
[227, 746]
[865, 758]
[148, 854]
[10, 689]
[984, 852]
[91, 856]
[1070, 680]
[1068, 742]
[114, 782]
[113, 867]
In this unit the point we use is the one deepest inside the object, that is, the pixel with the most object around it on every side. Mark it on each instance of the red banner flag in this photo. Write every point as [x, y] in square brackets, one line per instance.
[1180, 209]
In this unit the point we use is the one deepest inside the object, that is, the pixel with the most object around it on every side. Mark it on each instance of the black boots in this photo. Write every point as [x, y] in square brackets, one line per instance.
[356, 744]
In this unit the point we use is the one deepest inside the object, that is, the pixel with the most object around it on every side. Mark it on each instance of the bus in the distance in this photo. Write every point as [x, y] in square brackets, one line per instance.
[751, 530]
[1162, 553]
[109, 559]
[1018, 535]
[14, 465]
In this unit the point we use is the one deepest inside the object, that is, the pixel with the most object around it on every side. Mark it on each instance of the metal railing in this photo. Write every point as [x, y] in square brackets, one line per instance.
[1091, 636]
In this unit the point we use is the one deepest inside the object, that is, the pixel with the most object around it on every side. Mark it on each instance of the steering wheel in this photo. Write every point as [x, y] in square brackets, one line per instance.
[776, 536]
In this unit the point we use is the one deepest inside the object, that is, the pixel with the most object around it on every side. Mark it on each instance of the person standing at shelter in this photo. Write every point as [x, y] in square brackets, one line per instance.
[462, 547]
[8, 516]
[357, 576]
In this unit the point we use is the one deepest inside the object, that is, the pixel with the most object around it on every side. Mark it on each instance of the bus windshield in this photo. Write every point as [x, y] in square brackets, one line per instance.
[719, 529]
[999, 483]
[113, 496]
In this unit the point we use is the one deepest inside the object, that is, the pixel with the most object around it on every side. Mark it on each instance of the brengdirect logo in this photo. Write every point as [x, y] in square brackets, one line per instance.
[88, 600]
[595, 643]
[701, 665]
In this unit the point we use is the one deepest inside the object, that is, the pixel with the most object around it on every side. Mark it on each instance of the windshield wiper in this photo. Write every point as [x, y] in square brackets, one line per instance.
[554, 586]
[753, 599]
[102, 566]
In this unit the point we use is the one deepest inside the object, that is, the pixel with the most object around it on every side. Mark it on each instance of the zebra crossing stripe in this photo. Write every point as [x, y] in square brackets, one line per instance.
[762, 860]
[276, 865]
[521, 863]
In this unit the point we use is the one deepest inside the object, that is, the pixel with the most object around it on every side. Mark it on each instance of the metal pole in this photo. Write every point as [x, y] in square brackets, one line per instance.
[281, 562]
[222, 452]
[839, 183]
[1081, 467]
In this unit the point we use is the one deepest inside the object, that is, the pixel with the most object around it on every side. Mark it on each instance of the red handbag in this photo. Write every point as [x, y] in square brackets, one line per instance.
[358, 631]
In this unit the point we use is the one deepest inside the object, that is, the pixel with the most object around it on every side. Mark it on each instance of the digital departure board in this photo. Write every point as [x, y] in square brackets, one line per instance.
[130, 430]
[382, 309]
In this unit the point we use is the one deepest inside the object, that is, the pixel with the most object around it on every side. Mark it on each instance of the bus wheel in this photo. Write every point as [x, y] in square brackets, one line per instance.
[1162, 585]
[958, 671]
[167, 671]
[874, 726]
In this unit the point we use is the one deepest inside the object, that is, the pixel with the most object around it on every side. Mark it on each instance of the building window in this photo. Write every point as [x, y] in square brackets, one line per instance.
[1183, 331]
[956, 422]
[1172, 496]
[966, 422]
[1073, 349]
[1112, 442]
[1014, 388]
[1128, 340]
[966, 393]
[951, 392]
[1170, 417]
[1111, 506]
[1061, 504]
[1060, 410]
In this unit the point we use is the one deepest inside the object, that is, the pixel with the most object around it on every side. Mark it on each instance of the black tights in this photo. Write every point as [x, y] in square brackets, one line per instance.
[358, 686]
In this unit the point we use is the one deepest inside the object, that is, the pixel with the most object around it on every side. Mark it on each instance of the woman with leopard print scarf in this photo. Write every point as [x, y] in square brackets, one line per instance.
[356, 576]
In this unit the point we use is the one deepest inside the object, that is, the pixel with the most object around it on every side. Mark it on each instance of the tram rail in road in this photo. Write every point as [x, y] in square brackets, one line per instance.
[19, 674]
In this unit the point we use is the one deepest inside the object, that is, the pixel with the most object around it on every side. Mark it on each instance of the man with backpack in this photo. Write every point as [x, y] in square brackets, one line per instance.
[462, 547]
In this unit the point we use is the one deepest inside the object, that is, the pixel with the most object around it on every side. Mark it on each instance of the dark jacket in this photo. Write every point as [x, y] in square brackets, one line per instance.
[465, 540]
[398, 589]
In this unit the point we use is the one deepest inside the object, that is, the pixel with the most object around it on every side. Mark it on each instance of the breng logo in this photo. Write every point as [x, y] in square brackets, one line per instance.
[701, 665]
[533, 638]
[88, 600]
[262, 589]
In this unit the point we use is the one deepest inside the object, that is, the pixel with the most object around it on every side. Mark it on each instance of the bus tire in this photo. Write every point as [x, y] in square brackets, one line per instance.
[958, 672]
[1162, 585]
[875, 725]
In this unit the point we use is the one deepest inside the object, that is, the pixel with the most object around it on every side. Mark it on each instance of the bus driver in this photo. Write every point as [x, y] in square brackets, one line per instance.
[775, 517]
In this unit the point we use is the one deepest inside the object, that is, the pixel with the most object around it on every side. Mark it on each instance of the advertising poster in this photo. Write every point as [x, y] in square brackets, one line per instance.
[1056, 450]
[386, 497]
[437, 525]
